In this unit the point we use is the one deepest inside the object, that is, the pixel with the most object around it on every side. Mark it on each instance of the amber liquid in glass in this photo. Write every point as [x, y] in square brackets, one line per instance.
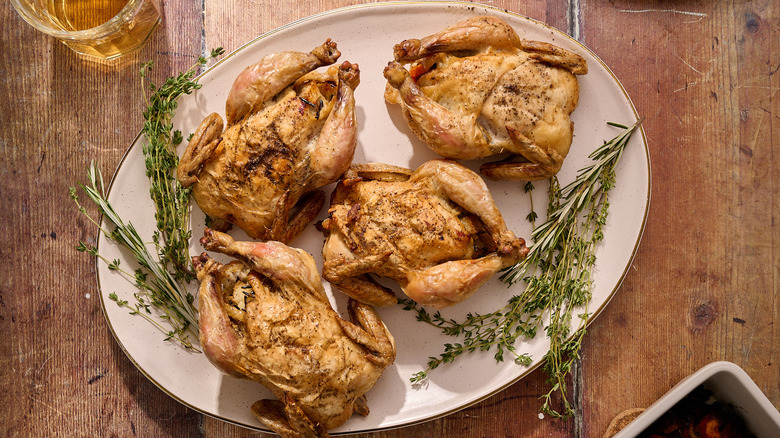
[83, 15]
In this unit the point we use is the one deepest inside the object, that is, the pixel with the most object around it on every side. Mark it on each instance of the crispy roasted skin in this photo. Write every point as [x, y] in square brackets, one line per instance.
[476, 90]
[266, 317]
[290, 131]
[436, 231]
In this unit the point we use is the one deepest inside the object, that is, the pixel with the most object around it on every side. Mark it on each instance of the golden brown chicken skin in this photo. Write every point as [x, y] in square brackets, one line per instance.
[476, 90]
[265, 317]
[436, 231]
[290, 131]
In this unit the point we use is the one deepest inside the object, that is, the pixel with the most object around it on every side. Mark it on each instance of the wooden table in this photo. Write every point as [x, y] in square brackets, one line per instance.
[703, 286]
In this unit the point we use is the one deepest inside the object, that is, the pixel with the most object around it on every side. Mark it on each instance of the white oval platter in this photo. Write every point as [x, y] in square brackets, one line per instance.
[365, 35]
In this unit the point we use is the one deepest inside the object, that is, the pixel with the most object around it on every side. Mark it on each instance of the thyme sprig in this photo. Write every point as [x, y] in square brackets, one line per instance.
[171, 199]
[162, 298]
[558, 278]
[589, 189]
[161, 291]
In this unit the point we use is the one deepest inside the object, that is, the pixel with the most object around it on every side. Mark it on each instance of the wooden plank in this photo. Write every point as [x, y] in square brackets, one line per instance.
[704, 282]
[63, 372]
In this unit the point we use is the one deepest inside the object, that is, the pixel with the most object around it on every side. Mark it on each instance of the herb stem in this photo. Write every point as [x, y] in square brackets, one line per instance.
[164, 292]
[557, 272]
[171, 199]
[170, 266]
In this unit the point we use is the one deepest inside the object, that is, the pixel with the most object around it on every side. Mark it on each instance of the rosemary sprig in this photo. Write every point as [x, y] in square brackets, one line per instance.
[557, 273]
[171, 200]
[162, 291]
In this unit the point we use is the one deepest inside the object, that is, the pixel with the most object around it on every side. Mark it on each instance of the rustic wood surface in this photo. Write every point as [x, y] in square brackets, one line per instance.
[703, 286]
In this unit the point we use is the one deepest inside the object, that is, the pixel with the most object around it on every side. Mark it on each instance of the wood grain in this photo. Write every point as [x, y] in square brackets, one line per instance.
[703, 286]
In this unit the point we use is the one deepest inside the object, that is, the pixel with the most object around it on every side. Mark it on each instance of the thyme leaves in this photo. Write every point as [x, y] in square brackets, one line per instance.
[161, 297]
[557, 273]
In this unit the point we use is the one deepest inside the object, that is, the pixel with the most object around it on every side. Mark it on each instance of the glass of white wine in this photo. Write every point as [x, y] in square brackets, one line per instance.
[102, 29]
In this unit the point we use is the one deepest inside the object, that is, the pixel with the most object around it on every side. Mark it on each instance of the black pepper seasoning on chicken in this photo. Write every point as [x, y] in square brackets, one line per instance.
[476, 90]
[436, 231]
[291, 130]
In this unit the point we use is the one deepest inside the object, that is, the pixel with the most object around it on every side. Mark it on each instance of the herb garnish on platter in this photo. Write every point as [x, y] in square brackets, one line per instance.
[162, 297]
[557, 275]
[171, 200]
[160, 290]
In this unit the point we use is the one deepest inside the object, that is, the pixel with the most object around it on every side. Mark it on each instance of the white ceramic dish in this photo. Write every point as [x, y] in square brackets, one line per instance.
[731, 385]
[366, 34]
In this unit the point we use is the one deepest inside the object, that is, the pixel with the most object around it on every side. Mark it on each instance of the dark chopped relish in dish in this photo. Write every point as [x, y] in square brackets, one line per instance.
[699, 415]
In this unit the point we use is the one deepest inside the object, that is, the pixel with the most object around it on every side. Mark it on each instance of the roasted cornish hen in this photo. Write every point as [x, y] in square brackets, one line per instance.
[290, 130]
[436, 231]
[266, 317]
[476, 89]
